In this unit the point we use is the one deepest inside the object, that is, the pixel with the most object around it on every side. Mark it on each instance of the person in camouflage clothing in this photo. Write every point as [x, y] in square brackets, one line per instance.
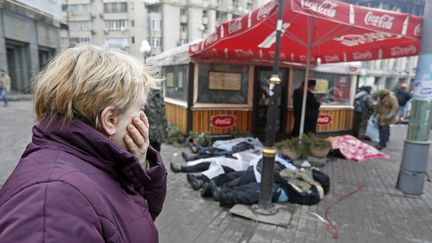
[155, 111]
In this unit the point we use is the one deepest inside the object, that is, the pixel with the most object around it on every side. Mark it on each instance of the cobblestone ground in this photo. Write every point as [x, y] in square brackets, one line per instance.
[378, 213]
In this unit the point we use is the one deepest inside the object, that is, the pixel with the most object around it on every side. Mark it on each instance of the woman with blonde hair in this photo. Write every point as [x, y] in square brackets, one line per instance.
[89, 174]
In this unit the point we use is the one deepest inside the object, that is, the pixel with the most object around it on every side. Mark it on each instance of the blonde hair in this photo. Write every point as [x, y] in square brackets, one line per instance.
[81, 81]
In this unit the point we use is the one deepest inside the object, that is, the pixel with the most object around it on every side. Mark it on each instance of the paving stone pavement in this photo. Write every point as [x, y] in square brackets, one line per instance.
[378, 213]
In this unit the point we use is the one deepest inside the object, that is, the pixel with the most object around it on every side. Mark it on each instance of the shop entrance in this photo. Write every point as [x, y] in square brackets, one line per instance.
[45, 55]
[18, 60]
[261, 101]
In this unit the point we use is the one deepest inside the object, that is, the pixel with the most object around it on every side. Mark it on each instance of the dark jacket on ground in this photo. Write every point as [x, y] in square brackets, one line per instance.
[73, 184]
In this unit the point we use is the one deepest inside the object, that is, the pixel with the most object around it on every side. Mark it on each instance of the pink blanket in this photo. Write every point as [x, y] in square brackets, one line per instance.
[354, 149]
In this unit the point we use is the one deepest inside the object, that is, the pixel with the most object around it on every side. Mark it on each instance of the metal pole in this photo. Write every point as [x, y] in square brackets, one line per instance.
[265, 205]
[412, 173]
[305, 86]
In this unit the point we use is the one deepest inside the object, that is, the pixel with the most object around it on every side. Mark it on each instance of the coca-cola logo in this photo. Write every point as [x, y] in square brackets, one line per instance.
[325, 8]
[403, 51]
[212, 38]
[243, 53]
[324, 119]
[417, 30]
[334, 58]
[234, 26]
[359, 39]
[362, 55]
[384, 21]
[222, 121]
[265, 10]
[352, 69]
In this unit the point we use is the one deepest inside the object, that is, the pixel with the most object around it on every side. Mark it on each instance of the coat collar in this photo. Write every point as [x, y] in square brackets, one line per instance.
[81, 140]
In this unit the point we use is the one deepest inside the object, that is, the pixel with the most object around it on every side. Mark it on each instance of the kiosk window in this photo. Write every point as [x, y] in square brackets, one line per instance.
[223, 84]
[176, 82]
[331, 89]
[225, 81]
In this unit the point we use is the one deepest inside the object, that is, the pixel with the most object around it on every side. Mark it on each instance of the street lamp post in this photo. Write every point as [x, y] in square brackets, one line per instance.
[265, 205]
[145, 48]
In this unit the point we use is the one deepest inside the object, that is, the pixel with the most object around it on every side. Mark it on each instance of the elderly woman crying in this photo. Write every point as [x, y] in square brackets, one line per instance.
[89, 174]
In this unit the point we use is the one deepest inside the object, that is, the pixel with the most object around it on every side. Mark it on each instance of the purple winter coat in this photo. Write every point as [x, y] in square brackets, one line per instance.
[73, 184]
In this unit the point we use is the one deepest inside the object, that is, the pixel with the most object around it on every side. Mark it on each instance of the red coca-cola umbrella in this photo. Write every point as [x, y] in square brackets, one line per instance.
[333, 31]
[326, 31]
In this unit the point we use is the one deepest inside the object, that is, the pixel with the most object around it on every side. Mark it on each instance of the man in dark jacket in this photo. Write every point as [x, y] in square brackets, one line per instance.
[403, 96]
[363, 108]
[312, 109]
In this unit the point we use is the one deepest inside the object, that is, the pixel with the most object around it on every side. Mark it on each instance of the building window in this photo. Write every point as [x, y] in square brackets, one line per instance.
[76, 40]
[182, 41]
[116, 42]
[79, 25]
[133, 40]
[115, 7]
[236, 5]
[155, 24]
[249, 6]
[155, 42]
[204, 13]
[64, 42]
[76, 8]
[118, 24]
[132, 23]
[183, 12]
[183, 28]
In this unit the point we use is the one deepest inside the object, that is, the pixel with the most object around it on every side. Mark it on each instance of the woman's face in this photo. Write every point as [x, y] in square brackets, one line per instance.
[125, 119]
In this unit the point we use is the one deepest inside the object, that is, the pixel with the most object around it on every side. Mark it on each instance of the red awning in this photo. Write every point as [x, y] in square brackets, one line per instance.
[340, 32]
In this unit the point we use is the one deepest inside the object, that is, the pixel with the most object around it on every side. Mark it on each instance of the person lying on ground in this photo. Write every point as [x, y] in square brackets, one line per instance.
[304, 186]
[214, 166]
[222, 147]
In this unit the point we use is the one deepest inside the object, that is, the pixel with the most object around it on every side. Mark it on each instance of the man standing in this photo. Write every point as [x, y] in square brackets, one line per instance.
[386, 112]
[312, 109]
[403, 96]
[363, 107]
[5, 85]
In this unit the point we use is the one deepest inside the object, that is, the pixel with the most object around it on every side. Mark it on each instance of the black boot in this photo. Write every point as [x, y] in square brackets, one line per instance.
[193, 148]
[195, 182]
[185, 156]
[216, 193]
[176, 168]
[207, 189]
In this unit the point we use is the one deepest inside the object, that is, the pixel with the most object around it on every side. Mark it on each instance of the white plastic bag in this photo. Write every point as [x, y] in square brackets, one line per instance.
[372, 130]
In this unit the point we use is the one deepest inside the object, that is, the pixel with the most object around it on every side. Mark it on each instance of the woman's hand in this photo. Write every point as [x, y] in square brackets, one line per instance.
[137, 139]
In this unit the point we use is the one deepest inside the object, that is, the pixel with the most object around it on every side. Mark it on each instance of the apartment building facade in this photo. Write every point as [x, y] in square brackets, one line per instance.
[29, 38]
[165, 24]
[119, 24]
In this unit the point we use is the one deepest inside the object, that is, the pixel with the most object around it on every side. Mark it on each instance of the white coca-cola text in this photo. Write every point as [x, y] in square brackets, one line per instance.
[359, 39]
[384, 21]
[402, 51]
[417, 30]
[324, 119]
[223, 121]
[235, 26]
[212, 38]
[265, 10]
[325, 8]
[334, 58]
[244, 53]
[362, 55]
